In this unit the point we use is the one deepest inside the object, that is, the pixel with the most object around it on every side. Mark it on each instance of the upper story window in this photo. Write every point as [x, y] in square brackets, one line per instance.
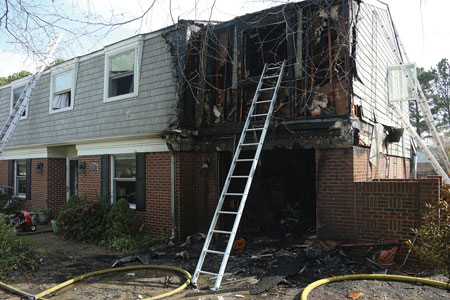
[122, 72]
[16, 91]
[62, 91]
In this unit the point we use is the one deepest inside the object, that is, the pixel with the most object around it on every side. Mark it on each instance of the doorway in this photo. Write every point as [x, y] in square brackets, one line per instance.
[72, 177]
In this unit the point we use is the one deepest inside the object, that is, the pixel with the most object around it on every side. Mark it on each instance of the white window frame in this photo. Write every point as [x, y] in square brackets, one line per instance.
[17, 85]
[113, 176]
[55, 74]
[115, 50]
[16, 182]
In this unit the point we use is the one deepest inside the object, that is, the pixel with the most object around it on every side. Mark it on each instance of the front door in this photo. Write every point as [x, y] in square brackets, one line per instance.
[72, 177]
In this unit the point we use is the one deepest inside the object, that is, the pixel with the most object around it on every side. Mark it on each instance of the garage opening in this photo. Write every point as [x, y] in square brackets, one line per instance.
[282, 201]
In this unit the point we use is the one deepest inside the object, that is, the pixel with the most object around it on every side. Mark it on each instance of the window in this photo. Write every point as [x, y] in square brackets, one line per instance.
[61, 96]
[124, 179]
[121, 73]
[16, 92]
[21, 178]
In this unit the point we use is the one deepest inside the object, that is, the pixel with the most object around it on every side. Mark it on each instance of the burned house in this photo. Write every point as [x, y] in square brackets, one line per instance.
[156, 118]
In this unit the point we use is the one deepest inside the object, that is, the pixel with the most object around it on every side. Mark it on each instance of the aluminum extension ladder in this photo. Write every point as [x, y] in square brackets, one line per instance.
[422, 103]
[253, 126]
[25, 96]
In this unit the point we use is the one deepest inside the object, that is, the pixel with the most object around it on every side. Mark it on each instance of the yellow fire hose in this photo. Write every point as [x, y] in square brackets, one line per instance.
[71, 281]
[320, 282]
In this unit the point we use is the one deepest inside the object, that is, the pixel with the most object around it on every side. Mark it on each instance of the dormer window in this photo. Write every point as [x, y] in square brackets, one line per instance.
[61, 97]
[122, 72]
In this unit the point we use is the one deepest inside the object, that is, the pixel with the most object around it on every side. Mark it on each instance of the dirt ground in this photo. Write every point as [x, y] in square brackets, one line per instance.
[62, 260]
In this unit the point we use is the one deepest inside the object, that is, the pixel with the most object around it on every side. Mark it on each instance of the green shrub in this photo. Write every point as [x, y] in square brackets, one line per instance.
[433, 236]
[121, 220]
[95, 221]
[81, 219]
[15, 253]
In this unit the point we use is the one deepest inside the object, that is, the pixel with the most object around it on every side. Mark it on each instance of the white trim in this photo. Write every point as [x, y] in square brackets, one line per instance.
[123, 147]
[35, 152]
[136, 44]
[113, 177]
[60, 71]
[38, 152]
[16, 185]
[16, 85]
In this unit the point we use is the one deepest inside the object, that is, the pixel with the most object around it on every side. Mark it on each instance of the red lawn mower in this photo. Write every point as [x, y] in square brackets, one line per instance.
[23, 221]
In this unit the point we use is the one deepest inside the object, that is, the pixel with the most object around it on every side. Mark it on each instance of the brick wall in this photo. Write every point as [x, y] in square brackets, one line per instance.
[157, 216]
[334, 183]
[56, 184]
[391, 167]
[198, 191]
[39, 187]
[351, 206]
[391, 208]
[4, 172]
[47, 187]
[89, 183]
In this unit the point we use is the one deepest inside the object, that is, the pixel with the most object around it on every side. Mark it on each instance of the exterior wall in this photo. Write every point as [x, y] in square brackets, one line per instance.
[388, 167]
[373, 58]
[48, 187]
[89, 182]
[91, 118]
[390, 209]
[352, 207]
[4, 172]
[334, 185]
[198, 191]
[157, 215]
[56, 184]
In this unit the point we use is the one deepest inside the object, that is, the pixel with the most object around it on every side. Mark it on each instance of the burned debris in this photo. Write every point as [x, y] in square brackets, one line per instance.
[218, 65]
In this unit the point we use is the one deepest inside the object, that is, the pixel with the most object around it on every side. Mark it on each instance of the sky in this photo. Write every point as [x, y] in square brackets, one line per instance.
[422, 25]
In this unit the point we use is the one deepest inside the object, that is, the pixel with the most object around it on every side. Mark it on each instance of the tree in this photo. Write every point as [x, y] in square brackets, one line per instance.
[12, 77]
[415, 114]
[440, 104]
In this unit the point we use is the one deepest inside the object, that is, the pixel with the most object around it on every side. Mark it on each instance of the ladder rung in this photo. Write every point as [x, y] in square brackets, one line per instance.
[268, 89]
[222, 231]
[250, 144]
[239, 176]
[234, 194]
[271, 76]
[227, 212]
[208, 273]
[245, 159]
[263, 101]
[255, 129]
[273, 68]
[258, 115]
[215, 252]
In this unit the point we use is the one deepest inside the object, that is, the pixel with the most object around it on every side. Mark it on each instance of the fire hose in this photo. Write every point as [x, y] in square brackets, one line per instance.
[320, 282]
[41, 295]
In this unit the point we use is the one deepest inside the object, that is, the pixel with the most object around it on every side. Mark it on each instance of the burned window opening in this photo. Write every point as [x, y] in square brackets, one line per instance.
[263, 45]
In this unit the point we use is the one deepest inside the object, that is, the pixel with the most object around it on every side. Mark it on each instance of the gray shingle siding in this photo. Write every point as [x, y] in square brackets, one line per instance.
[149, 112]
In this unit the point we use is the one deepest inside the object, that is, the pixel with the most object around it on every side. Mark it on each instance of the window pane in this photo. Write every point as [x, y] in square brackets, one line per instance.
[122, 63]
[21, 168]
[21, 185]
[125, 168]
[17, 93]
[127, 190]
[63, 82]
